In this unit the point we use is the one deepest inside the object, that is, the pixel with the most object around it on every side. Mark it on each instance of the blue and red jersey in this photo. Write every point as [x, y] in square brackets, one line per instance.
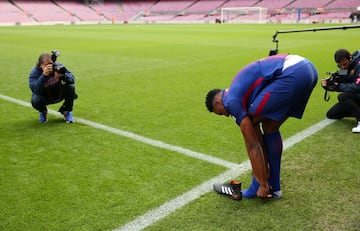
[266, 88]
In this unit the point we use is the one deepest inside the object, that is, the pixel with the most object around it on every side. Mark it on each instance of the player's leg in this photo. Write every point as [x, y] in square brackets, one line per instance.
[252, 190]
[274, 146]
[302, 77]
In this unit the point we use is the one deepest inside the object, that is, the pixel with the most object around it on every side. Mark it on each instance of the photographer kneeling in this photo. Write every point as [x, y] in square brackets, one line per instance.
[347, 80]
[51, 83]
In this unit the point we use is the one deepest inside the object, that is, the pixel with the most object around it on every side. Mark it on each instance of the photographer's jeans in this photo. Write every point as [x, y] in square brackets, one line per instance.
[39, 102]
[348, 106]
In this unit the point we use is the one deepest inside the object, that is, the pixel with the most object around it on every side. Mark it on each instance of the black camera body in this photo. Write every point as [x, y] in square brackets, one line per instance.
[332, 82]
[335, 78]
[57, 66]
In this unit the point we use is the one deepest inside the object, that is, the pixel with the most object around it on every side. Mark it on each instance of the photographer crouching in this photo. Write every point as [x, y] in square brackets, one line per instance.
[50, 83]
[347, 81]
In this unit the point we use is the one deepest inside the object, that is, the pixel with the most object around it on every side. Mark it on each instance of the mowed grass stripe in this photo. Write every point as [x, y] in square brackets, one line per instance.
[155, 143]
[167, 105]
[166, 209]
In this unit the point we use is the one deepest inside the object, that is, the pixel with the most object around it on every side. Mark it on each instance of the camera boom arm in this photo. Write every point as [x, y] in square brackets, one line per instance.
[275, 51]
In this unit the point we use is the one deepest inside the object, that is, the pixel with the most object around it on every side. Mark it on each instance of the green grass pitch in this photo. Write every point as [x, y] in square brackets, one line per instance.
[151, 80]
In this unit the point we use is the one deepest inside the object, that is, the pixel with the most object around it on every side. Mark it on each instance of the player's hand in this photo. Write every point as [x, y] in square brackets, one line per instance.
[47, 70]
[263, 191]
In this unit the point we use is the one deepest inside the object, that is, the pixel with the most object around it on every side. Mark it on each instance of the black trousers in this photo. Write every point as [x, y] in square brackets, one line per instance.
[348, 106]
[67, 94]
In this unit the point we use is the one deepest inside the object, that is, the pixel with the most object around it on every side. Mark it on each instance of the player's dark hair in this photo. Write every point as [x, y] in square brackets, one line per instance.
[341, 54]
[210, 98]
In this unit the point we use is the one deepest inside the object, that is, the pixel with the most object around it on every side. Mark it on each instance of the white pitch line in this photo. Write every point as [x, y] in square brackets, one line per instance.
[155, 143]
[17, 101]
[306, 133]
[159, 144]
[166, 209]
[169, 207]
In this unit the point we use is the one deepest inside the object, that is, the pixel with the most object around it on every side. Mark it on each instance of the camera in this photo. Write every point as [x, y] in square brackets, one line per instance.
[335, 78]
[59, 68]
[56, 66]
[332, 82]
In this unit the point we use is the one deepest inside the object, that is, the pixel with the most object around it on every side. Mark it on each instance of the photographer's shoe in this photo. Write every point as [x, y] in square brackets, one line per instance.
[42, 117]
[233, 190]
[68, 117]
[357, 128]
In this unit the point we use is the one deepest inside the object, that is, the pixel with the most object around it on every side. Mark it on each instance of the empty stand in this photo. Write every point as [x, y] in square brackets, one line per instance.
[79, 10]
[9, 13]
[273, 5]
[306, 4]
[124, 11]
[349, 4]
[43, 11]
[171, 5]
[330, 16]
[240, 3]
[205, 6]
[191, 18]
[156, 18]
[136, 6]
[111, 11]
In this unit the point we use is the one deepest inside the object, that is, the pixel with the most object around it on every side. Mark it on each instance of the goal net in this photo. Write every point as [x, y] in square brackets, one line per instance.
[243, 15]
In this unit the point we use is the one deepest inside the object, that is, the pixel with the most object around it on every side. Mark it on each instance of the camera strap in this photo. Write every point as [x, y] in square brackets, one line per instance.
[326, 96]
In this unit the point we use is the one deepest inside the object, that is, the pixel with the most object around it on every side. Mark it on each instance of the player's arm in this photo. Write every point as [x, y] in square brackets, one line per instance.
[256, 155]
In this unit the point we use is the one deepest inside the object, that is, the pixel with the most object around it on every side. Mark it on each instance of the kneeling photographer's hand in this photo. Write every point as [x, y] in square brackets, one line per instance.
[323, 83]
[47, 69]
[330, 87]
